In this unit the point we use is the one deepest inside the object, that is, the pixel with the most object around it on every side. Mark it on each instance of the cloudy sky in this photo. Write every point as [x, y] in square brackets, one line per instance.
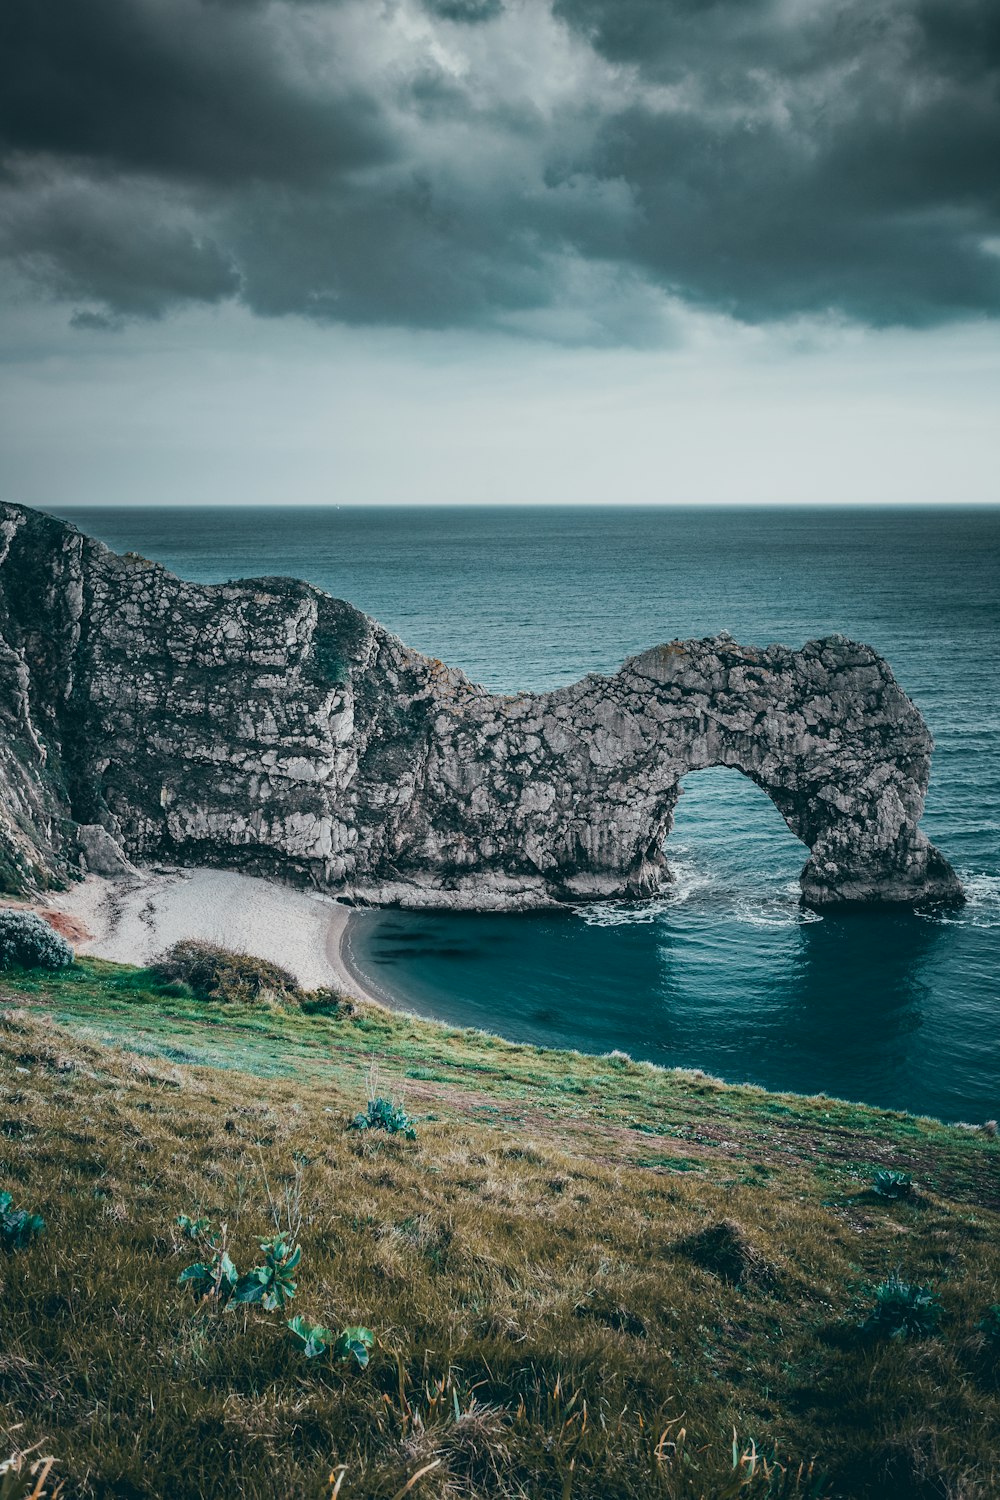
[573, 250]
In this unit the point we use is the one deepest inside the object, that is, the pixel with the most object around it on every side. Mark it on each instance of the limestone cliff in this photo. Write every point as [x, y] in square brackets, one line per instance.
[265, 725]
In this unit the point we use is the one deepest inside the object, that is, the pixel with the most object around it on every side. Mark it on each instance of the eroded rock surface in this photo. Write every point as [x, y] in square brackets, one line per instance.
[265, 725]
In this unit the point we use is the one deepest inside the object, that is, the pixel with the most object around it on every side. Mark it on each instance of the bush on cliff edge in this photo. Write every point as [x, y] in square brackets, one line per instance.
[215, 973]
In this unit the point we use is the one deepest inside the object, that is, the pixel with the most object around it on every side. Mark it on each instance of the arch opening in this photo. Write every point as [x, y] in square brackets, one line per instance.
[728, 834]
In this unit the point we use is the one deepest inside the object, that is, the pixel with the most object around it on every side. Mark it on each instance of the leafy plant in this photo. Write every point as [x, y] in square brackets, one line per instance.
[18, 1227]
[28, 942]
[903, 1310]
[354, 1343]
[314, 1340]
[216, 1278]
[195, 1229]
[385, 1114]
[989, 1324]
[893, 1185]
[271, 1284]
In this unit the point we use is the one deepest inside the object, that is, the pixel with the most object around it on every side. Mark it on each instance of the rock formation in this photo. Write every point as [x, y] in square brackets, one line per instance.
[264, 725]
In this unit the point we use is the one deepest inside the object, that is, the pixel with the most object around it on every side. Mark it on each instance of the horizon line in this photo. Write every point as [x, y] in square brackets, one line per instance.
[511, 504]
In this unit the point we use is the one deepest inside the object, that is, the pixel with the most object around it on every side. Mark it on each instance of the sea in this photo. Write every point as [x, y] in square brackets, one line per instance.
[725, 971]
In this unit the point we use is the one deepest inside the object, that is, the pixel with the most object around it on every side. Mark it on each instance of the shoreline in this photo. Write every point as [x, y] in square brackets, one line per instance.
[132, 919]
[360, 984]
[350, 979]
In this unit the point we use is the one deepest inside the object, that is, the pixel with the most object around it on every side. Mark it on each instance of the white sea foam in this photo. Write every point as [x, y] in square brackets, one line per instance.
[982, 903]
[779, 912]
[982, 891]
[779, 907]
[688, 880]
[624, 913]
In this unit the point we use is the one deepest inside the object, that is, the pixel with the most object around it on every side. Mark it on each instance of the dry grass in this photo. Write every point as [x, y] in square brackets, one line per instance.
[562, 1308]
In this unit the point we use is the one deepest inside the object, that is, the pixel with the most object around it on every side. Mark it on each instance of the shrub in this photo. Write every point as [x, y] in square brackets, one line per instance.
[18, 1227]
[314, 1340]
[327, 1002]
[903, 1310]
[215, 973]
[28, 942]
[893, 1185]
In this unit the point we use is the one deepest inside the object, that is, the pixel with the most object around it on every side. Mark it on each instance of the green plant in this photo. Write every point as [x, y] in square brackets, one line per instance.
[354, 1343]
[18, 1227]
[382, 1113]
[195, 1229]
[385, 1114]
[989, 1324]
[753, 1474]
[215, 973]
[893, 1185]
[902, 1309]
[28, 942]
[327, 1002]
[271, 1284]
[20, 1479]
[314, 1340]
[216, 1278]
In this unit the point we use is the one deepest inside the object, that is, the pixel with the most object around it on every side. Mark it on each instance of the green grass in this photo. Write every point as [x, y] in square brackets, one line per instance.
[542, 1327]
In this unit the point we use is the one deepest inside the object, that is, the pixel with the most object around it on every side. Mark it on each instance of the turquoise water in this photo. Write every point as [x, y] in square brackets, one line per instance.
[726, 972]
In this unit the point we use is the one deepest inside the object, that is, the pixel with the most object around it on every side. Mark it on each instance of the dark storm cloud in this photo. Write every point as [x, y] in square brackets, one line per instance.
[182, 88]
[548, 168]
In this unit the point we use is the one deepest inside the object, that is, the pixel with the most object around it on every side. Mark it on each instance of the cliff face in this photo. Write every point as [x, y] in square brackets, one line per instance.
[265, 725]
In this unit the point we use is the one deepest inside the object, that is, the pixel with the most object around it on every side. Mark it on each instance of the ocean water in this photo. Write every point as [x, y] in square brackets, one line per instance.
[725, 972]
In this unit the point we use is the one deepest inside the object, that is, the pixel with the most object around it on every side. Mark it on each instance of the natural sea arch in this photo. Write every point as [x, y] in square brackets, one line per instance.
[263, 724]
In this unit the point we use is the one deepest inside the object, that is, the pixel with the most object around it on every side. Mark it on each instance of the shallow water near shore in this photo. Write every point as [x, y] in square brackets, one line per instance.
[726, 972]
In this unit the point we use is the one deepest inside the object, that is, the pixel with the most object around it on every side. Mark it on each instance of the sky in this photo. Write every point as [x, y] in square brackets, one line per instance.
[361, 251]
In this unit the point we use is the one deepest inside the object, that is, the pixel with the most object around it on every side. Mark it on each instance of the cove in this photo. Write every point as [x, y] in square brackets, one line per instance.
[727, 973]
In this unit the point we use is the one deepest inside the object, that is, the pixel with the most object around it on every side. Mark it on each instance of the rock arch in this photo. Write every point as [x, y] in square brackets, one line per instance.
[825, 731]
[264, 724]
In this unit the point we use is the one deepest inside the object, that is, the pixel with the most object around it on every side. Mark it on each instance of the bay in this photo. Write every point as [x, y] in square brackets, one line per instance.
[726, 972]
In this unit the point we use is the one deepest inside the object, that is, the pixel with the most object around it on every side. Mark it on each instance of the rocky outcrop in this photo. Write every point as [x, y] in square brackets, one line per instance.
[265, 725]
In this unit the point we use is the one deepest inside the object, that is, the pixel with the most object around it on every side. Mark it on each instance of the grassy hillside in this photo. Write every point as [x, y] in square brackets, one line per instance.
[582, 1276]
